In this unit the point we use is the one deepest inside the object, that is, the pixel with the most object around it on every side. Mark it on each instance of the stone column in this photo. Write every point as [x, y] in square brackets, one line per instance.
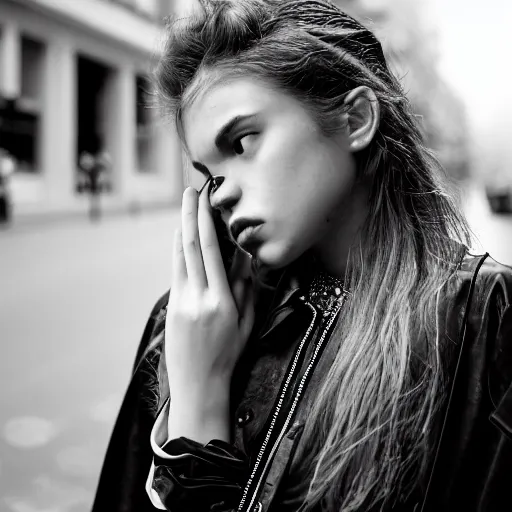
[59, 123]
[170, 152]
[169, 160]
[121, 130]
[10, 61]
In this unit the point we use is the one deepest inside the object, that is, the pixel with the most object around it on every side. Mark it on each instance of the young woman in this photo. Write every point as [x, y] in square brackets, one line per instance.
[354, 356]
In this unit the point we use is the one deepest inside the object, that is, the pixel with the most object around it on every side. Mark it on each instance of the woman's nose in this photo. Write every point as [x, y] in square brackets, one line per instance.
[224, 194]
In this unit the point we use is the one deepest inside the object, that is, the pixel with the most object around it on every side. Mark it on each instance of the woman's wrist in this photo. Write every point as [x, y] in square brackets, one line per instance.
[199, 413]
[205, 394]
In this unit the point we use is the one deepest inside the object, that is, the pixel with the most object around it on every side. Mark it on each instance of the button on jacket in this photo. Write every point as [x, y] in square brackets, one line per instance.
[473, 454]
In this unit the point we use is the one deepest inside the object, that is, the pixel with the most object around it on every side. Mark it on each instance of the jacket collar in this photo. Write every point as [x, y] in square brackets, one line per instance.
[283, 285]
[278, 290]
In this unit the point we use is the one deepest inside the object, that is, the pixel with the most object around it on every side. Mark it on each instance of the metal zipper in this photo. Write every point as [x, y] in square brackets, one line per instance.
[294, 404]
[277, 409]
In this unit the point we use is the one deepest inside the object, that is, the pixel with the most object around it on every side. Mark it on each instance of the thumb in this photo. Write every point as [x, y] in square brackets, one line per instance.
[238, 291]
[239, 273]
[248, 309]
[240, 267]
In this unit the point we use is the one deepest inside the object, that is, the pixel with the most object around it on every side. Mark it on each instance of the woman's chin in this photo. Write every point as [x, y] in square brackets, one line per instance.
[272, 256]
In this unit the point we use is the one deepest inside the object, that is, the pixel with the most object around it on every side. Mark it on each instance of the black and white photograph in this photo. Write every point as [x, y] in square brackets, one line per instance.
[255, 256]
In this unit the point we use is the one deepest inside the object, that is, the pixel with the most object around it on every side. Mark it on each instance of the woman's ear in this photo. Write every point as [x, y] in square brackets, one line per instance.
[362, 117]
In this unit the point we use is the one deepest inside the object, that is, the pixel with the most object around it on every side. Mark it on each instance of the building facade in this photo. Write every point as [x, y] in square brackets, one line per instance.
[73, 80]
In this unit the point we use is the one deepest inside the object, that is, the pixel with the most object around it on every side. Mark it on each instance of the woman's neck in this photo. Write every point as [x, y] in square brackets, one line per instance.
[346, 221]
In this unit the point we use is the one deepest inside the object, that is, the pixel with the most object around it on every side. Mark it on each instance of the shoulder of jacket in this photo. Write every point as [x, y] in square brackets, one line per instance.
[160, 304]
[480, 289]
[492, 326]
[153, 328]
[157, 318]
[489, 275]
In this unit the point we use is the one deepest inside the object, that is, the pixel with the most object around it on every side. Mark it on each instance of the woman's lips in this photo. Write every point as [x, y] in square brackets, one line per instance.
[247, 237]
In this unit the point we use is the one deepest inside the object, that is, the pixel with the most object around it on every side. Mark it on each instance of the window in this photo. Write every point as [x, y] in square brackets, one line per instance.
[145, 127]
[20, 118]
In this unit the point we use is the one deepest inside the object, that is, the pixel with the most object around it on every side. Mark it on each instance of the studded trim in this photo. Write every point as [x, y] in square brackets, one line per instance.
[327, 293]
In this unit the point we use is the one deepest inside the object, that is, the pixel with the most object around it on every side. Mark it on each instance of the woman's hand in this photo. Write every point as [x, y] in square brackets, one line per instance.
[209, 318]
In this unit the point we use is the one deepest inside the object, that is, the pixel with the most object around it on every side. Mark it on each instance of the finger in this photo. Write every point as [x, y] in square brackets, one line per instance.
[238, 290]
[248, 309]
[179, 269]
[190, 236]
[240, 266]
[212, 257]
[239, 272]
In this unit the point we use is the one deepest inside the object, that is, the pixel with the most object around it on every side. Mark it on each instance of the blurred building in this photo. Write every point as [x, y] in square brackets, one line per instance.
[73, 80]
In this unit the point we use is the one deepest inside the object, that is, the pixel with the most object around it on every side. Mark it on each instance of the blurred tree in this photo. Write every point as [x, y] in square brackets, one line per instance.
[410, 44]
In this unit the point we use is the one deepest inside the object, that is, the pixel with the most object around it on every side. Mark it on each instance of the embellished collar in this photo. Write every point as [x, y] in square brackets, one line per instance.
[304, 277]
[327, 292]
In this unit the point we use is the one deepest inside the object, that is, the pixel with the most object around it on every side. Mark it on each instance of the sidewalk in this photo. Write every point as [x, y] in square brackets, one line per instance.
[35, 222]
[74, 300]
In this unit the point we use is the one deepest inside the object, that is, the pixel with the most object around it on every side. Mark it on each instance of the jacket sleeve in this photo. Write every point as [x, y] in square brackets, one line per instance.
[501, 374]
[128, 456]
[500, 350]
[495, 450]
[186, 475]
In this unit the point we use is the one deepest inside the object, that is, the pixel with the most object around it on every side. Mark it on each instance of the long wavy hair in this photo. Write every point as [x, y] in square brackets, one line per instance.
[366, 439]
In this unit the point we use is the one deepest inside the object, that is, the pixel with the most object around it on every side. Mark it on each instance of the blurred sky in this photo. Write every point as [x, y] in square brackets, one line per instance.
[475, 42]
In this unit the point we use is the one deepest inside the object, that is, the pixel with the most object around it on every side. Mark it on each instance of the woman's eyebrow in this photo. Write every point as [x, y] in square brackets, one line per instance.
[223, 135]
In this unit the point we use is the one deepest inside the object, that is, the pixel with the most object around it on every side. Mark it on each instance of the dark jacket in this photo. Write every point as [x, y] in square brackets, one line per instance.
[472, 466]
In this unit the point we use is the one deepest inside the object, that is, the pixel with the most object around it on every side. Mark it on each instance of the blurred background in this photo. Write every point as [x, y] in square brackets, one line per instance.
[90, 186]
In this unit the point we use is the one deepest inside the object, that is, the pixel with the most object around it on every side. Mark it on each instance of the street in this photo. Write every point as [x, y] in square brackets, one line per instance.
[73, 304]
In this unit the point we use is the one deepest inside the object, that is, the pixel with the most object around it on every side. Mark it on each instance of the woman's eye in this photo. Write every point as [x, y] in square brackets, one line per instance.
[237, 146]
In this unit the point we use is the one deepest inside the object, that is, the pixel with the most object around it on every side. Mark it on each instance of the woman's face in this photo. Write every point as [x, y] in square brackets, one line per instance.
[278, 168]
